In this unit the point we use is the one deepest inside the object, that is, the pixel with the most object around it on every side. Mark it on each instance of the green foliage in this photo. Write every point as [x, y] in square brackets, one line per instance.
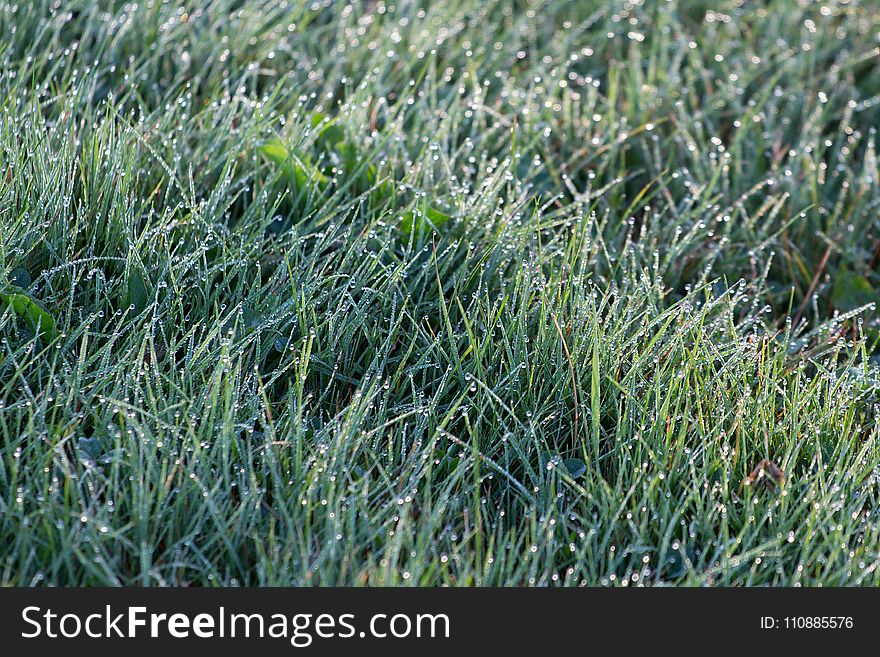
[136, 293]
[351, 169]
[300, 174]
[422, 222]
[31, 311]
[575, 467]
[330, 133]
[851, 291]
[664, 235]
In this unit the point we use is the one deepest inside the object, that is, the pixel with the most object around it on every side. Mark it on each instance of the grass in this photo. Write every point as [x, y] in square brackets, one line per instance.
[465, 293]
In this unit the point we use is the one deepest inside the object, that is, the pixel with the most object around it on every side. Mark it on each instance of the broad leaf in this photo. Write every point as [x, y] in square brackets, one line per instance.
[362, 174]
[851, 291]
[576, 467]
[136, 293]
[422, 222]
[330, 132]
[298, 170]
[34, 315]
[20, 277]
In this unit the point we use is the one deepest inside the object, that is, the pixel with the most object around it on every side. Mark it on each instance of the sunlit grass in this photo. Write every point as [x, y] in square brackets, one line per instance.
[472, 293]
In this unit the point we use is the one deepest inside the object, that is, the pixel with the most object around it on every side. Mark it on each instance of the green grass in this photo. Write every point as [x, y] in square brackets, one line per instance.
[526, 306]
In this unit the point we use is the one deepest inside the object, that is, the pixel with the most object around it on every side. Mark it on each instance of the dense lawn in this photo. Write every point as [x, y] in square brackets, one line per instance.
[465, 293]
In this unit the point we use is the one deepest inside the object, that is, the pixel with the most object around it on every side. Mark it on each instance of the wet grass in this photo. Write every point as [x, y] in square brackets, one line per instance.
[439, 293]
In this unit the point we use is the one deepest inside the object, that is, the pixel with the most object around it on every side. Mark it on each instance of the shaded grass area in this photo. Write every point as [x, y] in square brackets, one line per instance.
[659, 269]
